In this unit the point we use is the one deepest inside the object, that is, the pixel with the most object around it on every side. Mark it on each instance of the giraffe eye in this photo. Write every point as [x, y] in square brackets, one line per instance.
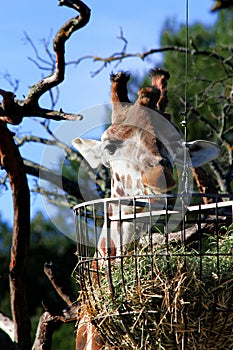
[150, 164]
[111, 148]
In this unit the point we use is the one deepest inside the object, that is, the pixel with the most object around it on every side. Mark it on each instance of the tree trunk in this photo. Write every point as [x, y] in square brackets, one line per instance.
[12, 162]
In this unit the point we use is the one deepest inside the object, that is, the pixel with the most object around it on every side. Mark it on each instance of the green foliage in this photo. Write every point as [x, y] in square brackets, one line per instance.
[64, 338]
[209, 79]
[206, 92]
[223, 30]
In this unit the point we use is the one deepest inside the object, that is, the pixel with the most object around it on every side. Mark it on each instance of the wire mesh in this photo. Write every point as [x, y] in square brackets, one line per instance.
[162, 288]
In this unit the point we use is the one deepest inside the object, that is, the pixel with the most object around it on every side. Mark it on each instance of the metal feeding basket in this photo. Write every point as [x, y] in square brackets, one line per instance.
[169, 282]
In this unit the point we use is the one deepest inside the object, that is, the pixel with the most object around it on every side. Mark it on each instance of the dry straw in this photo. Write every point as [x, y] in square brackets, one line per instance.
[169, 298]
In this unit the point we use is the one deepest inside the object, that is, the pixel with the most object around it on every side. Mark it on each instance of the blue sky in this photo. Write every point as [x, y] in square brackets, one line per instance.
[141, 23]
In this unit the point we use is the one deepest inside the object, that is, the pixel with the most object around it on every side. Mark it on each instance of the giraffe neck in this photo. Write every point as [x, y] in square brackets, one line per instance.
[87, 337]
[124, 184]
[121, 232]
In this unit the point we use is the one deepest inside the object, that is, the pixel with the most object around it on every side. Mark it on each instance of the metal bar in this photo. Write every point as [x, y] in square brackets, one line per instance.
[137, 278]
[108, 227]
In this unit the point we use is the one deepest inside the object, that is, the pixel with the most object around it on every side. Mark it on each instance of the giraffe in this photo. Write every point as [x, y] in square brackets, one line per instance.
[138, 152]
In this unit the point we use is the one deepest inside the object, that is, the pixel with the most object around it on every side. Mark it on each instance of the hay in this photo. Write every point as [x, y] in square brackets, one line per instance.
[169, 298]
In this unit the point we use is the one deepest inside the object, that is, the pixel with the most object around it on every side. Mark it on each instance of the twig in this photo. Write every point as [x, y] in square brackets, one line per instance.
[60, 285]
[142, 55]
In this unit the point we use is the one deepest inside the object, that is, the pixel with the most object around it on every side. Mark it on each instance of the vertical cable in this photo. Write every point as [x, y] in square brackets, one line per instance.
[185, 180]
[186, 54]
[184, 114]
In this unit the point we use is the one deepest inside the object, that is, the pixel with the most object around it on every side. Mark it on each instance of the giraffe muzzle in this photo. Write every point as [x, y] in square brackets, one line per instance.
[159, 179]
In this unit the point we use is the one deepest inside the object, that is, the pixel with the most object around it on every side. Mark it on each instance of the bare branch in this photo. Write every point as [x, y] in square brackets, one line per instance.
[7, 325]
[50, 64]
[192, 234]
[61, 182]
[54, 115]
[119, 56]
[54, 98]
[45, 329]
[14, 83]
[38, 65]
[219, 174]
[125, 41]
[3, 180]
[12, 111]
[60, 39]
[60, 285]
[48, 323]
[54, 142]
[210, 126]
[205, 183]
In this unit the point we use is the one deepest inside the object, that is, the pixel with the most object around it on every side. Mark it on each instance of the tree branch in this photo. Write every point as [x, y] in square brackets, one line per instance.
[62, 287]
[37, 90]
[51, 114]
[12, 111]
[45, 329]
[7, 325]
[60, 181]
[192, 234]
[119, 56]
[49, 322]
[54, 142]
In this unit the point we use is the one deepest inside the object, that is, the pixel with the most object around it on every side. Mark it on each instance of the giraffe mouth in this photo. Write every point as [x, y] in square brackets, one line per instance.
[150, 191]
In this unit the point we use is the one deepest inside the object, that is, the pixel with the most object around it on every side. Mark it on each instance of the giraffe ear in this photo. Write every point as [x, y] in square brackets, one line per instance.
[90, 150]
[202, 152]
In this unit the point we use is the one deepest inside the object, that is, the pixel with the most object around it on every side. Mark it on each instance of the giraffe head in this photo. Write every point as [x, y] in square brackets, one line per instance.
[139, 163]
